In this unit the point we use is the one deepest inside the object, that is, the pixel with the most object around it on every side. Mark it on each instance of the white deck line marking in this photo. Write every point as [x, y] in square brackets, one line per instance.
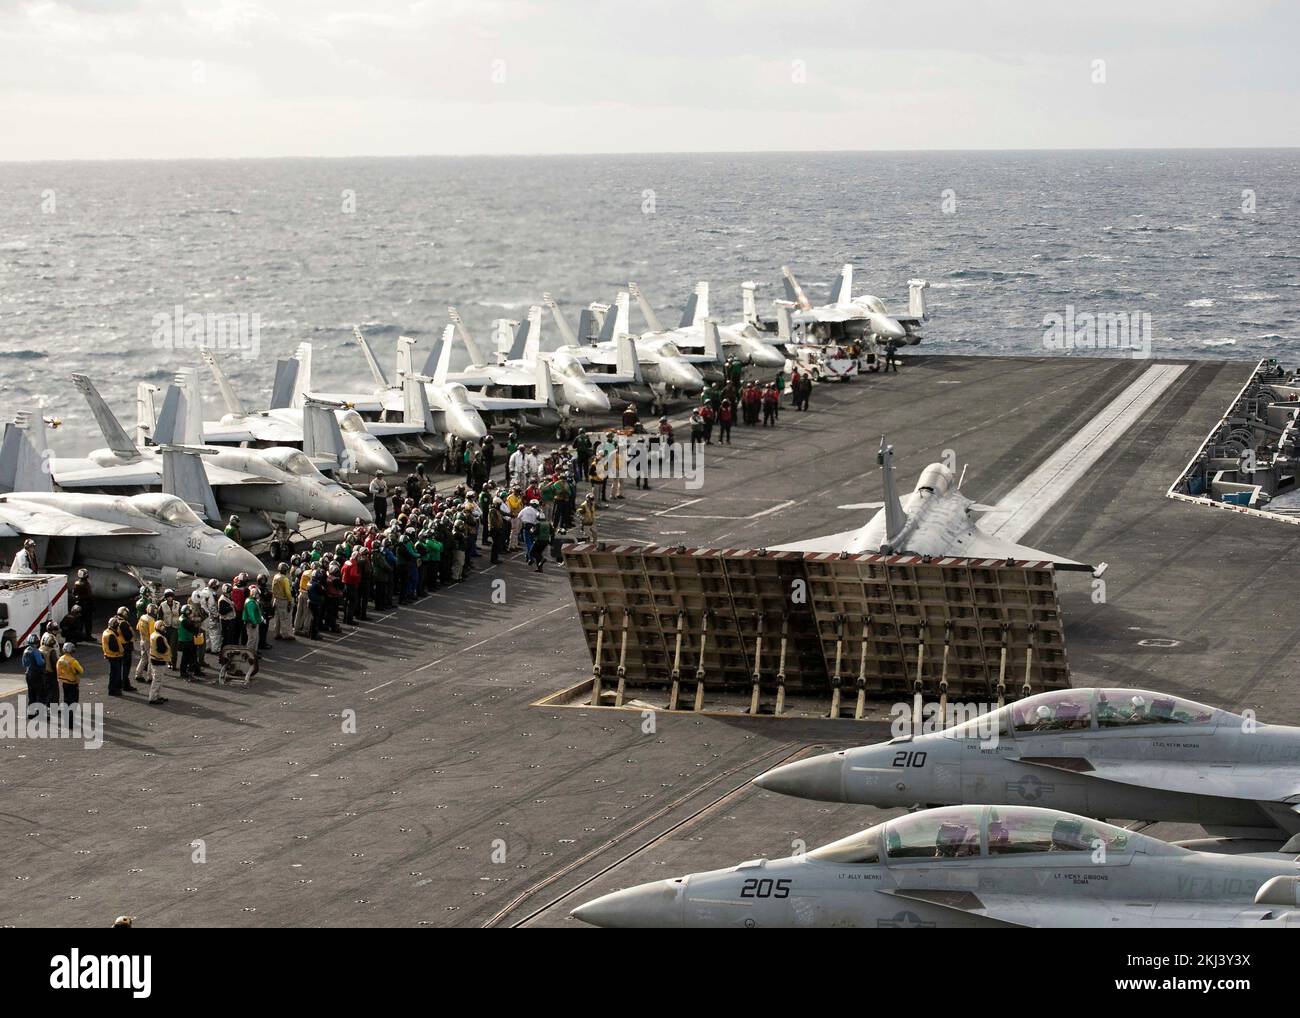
[472, 646]
[1029, 500]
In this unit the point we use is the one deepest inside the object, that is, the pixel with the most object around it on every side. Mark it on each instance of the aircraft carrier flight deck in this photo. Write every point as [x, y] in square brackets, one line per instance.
[461, 801]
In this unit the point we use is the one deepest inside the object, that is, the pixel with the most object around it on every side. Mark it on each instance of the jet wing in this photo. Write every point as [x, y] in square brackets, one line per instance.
[215, 433]
[829, 314]
[141, 474]
[272, 428]
[19, 519]
[834, 543]
[386, 429]
[224, 476]
[981, 545]
[371, 404]
[504, 404]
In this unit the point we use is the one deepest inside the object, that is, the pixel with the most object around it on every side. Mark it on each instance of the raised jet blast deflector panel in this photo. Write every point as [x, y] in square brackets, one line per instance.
[888, 620]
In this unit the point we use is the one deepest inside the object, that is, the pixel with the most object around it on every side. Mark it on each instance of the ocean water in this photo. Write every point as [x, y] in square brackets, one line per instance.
[91, 253]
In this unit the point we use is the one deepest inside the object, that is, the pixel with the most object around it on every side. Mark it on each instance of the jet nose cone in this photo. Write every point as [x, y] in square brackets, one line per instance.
[686, 377]
[467, 424]
[349, 509]
[376, 458]
[888, 328]
[768, 357]
[821, 778]
[657, 905]
[233, 560]
[594, 400]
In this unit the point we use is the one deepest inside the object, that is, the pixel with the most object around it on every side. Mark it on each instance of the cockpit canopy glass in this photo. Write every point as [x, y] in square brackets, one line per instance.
[1124, 708]
[1060, 711]
[1014, 831]
[292, 461]
[168, 509]
[860, 848]
[351, 422]
[1068, 710]
[962, 832]
[935, 834]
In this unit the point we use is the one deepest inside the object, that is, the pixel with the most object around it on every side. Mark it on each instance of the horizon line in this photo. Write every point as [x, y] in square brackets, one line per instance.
[661, 152]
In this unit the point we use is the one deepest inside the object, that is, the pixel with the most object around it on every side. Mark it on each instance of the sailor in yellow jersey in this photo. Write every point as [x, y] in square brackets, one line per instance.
[159, 655]
[69, 671]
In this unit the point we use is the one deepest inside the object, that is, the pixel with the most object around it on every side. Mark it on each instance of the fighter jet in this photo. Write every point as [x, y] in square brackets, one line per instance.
[152, 532]
[525, 393]
[279, 481]
[450, 410]
[975, 866]
[847, 317]
[282, 424]
[741, 340]
[935, 519]
[575, 392]
[1128, 753]
[663, 369]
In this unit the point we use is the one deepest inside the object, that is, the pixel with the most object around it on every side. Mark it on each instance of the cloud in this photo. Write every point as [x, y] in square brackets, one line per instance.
[176, 77]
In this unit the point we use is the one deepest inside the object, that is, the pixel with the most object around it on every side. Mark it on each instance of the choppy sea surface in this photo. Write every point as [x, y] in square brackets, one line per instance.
[1207, 243]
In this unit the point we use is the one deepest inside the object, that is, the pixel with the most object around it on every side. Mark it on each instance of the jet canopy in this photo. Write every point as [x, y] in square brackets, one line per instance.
[1068, 710]
[964, 832]
[167, 509]
[351, 422]
[293, 461]
[458, 394]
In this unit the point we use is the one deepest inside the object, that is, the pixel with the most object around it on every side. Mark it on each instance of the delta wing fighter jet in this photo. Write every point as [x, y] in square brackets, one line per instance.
[741, 340]
[935, 519]
[1127, 753]
[152, 532]
[847, 317]
[975, 866]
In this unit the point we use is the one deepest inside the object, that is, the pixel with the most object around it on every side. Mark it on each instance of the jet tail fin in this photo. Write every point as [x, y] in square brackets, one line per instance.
[24, 465]
[895, 518]
[627, 363]
[322, 438]
[916, 296]
[697, 308]
[793, 291]
[190, 419]
[713, 341]
[405, 358]
[146, 413]
[303, 388]
[748, 306]
[114, 434]
[166, 430]
[647, 312]
[228, 396]
[443, 366]
[842, 288]
[415, 403]
[475, 353]
[533, 334]
[545, 386]
[784, 328]
[588, 329]
[184, 476]
[372, 361]
[284, 389]
[561, 323]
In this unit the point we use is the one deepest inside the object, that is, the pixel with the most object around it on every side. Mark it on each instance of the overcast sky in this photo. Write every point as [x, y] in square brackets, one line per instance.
[222, 78]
